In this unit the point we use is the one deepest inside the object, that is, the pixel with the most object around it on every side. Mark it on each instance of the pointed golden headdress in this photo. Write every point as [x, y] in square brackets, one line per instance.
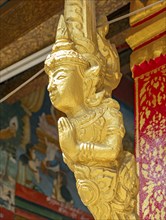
[63, 50]
[78, 41]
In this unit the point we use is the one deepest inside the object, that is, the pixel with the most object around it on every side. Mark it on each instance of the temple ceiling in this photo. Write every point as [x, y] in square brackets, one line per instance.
[28, 26]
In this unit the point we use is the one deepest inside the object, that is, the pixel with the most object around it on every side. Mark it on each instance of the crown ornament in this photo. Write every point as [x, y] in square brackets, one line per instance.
[78, 41]
[63, 50]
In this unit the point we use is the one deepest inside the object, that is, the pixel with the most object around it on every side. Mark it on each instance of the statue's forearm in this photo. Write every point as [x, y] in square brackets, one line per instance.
[98, 152]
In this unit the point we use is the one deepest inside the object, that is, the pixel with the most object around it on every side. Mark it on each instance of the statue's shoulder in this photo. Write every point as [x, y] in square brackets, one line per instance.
[111, 103]
[110, 107]
[107, 110]
[113, 116]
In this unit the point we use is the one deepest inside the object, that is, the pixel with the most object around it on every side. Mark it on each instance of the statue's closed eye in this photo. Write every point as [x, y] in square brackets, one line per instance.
[60, 77]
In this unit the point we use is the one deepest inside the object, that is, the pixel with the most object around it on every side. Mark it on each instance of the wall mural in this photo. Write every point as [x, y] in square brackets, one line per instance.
[11, 131]
[30, 155]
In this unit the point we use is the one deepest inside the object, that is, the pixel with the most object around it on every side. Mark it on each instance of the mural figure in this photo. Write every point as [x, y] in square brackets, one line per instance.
[7, 180]
[52, 164]
[28, 172]
[51, 152]
[91, 134]
[11, 130]
[11, 127]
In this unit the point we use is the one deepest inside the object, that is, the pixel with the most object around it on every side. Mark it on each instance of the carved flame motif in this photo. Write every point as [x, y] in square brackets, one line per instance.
[83, 70]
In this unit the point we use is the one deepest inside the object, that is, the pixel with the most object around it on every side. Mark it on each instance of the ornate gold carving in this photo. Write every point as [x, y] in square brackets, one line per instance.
[148, 38]
[138, 4]
[83, 69]
[148, 30]
[150, 51]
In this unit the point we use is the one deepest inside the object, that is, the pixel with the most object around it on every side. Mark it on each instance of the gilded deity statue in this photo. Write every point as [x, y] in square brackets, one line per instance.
[83, 69]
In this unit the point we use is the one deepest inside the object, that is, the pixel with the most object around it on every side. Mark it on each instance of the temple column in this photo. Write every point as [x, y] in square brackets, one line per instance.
[148, 65]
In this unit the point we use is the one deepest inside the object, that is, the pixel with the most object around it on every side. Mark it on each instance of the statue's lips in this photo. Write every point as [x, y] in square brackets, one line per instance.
[52, 94]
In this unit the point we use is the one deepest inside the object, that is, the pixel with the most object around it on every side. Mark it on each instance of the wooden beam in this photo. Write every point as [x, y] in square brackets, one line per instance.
[24, 16]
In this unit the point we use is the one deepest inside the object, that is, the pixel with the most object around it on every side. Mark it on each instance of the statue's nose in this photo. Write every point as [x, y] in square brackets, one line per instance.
[49, 85]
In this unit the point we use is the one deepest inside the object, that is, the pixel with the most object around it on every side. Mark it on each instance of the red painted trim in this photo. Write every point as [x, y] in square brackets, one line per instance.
[42, 200]
[145, 66]
[5, 214]
[28, 215]
[150, 17]
[151, 40]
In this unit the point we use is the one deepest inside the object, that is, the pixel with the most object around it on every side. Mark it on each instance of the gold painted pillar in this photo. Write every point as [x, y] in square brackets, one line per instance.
[148, 64]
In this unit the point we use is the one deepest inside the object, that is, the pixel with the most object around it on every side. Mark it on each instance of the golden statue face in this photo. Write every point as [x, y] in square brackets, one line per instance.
[66, 87]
